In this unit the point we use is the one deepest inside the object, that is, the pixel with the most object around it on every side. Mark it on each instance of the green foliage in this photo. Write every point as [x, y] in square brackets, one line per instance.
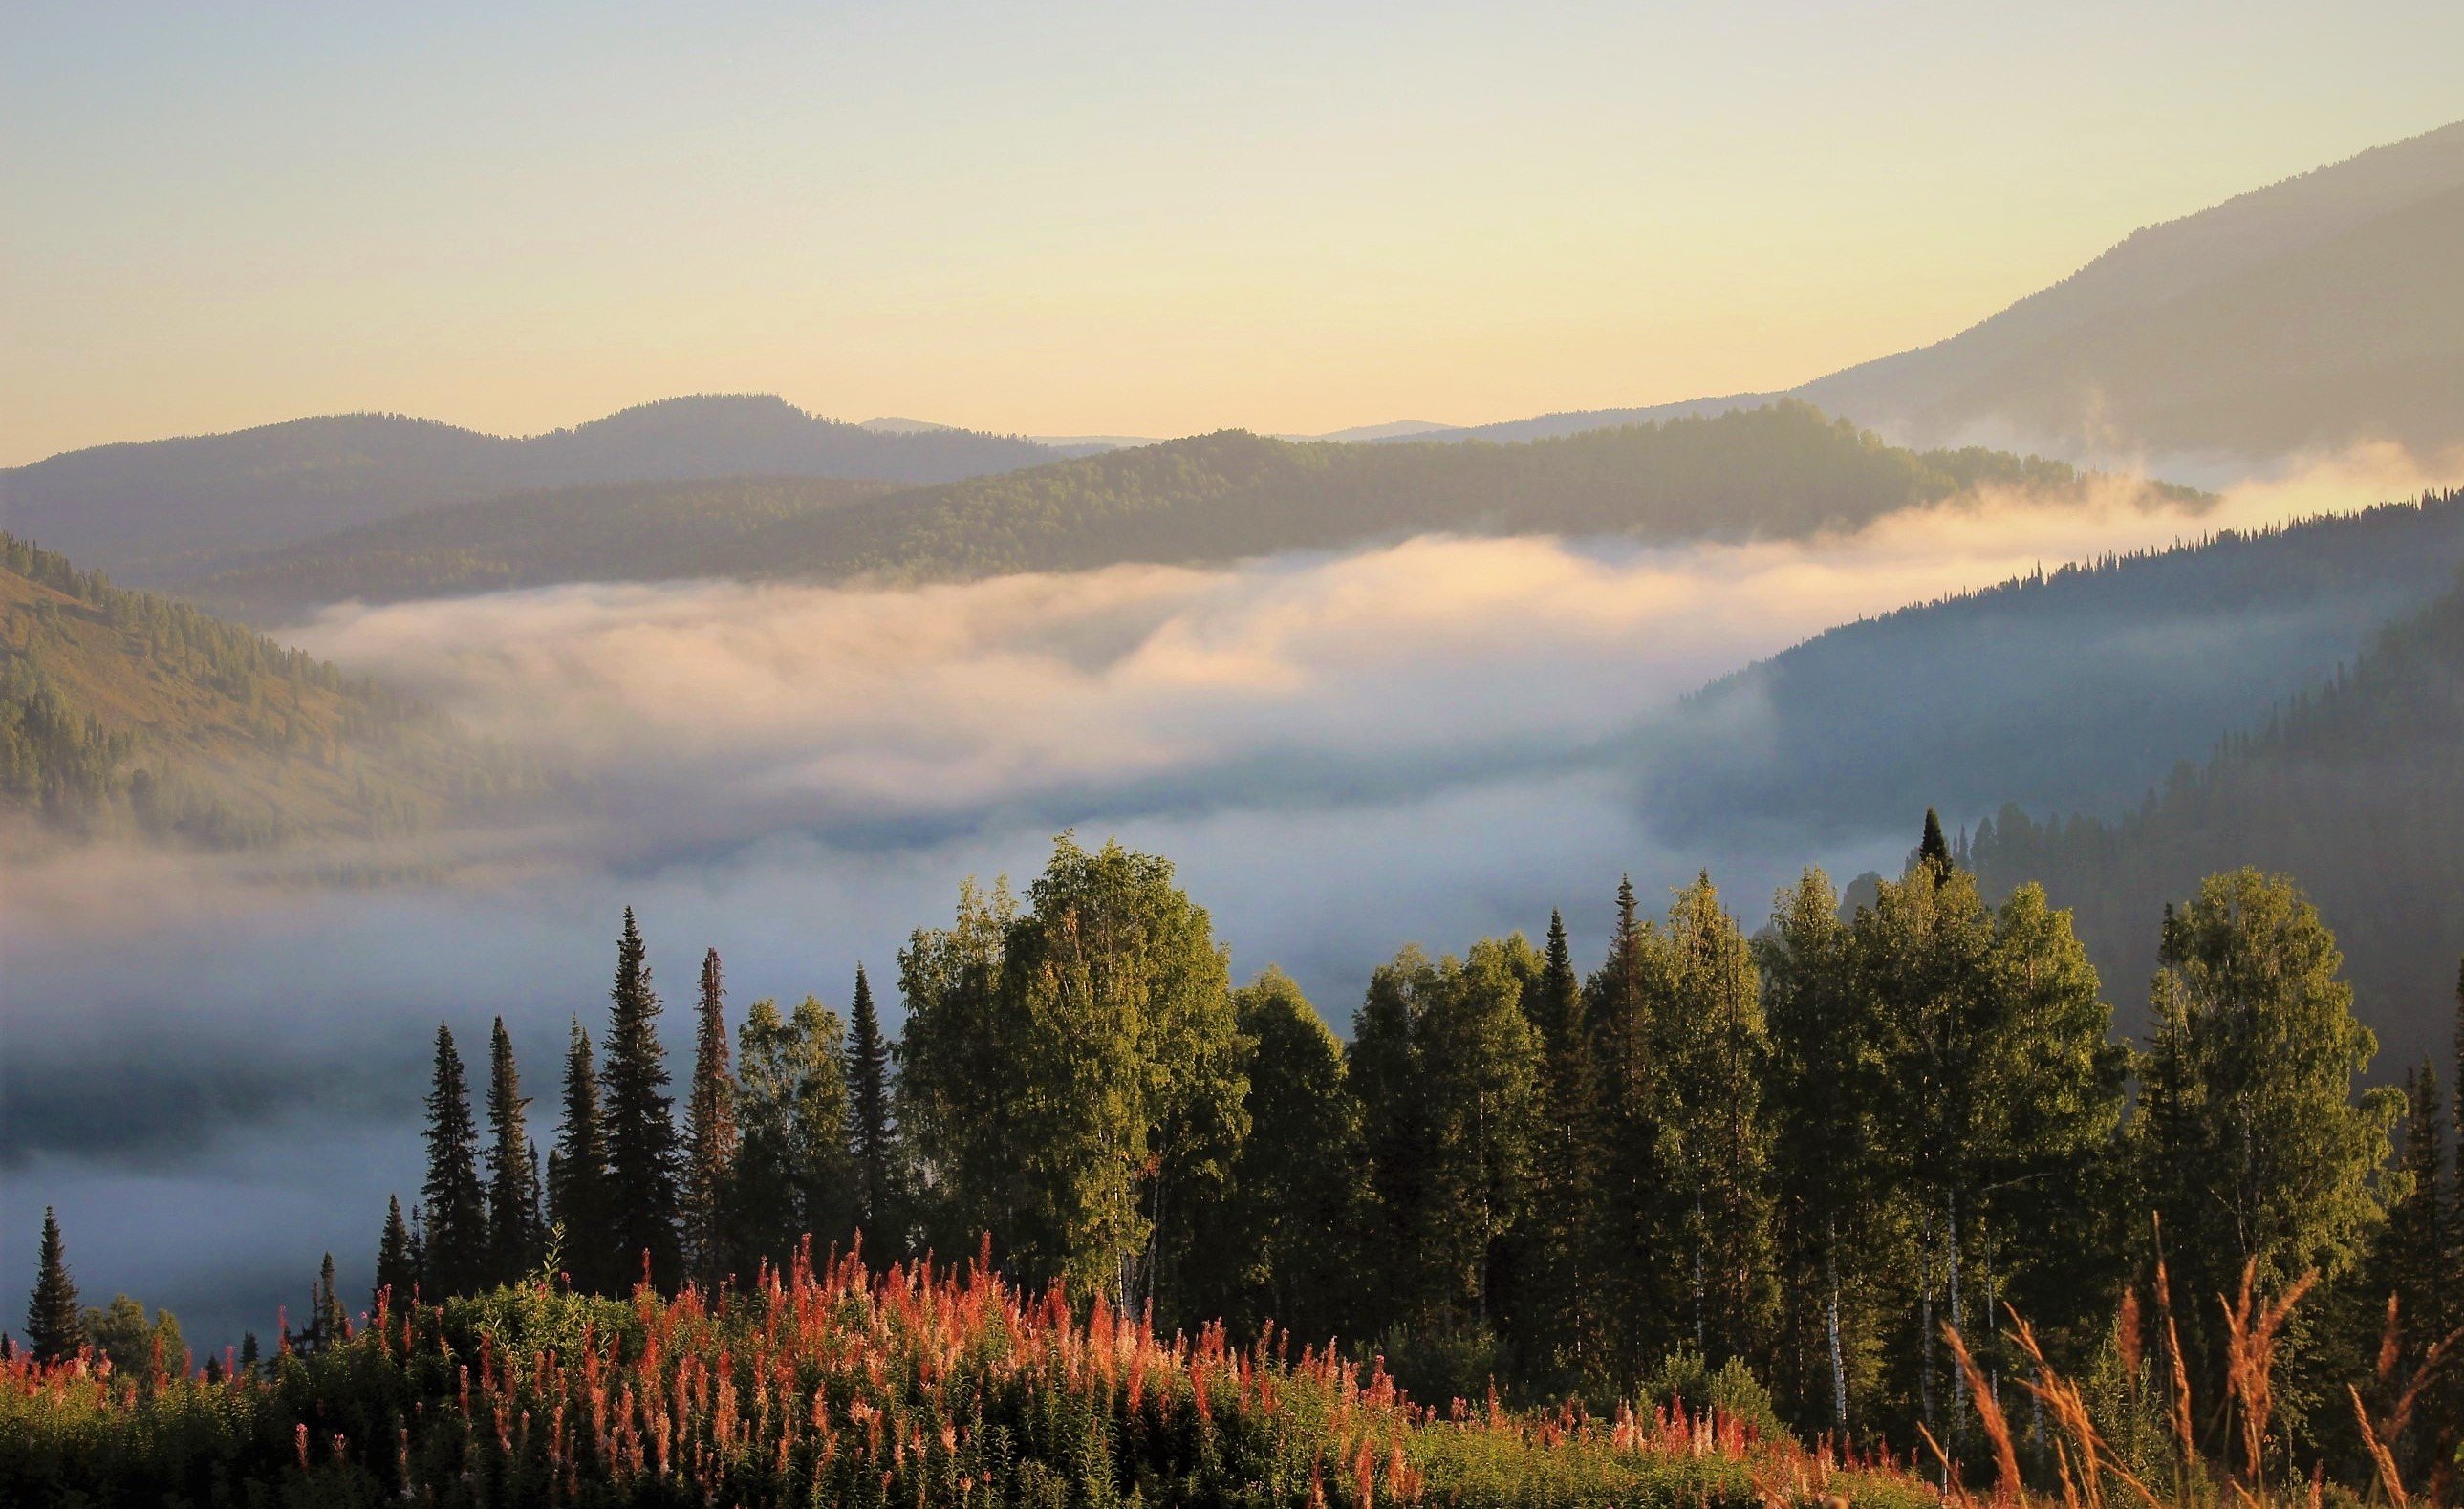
[1069, 1074]
[457, 1253]
[794, 1174]
[1684, 1380]
[513, 1173]
[54, 1327]
[579, 1200]
[872, 1135]
[643, 1148]
[705, 1195]
[1283, 1242]
[121, 1335]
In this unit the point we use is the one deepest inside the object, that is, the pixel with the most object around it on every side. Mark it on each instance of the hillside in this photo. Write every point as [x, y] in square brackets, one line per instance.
[587, 534]
[1782, 471]
[2316, 310]
[126, 713]
[2073, 692]
[166, 509]
[2356, 789]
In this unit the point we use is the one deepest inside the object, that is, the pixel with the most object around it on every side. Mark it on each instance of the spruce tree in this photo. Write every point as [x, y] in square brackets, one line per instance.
[871, 1135]
[1561, 1310]
[641, 1142]
[513, 1175]
[457, 1206]
[397, 1261]
[710, 1137]
[1933, 850]
[577, 1181]
[1634, 1279]
[326, 1325]
[54, 1327]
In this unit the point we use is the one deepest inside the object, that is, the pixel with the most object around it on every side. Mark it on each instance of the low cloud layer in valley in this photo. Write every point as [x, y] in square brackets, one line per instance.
[1417, 743]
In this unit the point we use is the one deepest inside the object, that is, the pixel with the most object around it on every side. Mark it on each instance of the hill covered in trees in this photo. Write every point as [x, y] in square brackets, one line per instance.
[170, 508]
[1780, 472]
[126, 712]
[2070, 691]
[602, 533]
[2357, 785]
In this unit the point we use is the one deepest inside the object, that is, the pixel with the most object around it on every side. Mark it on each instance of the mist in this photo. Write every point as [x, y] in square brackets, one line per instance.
[215, 1063]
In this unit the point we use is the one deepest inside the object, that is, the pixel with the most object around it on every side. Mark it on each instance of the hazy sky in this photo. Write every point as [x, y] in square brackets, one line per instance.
[1072, 217]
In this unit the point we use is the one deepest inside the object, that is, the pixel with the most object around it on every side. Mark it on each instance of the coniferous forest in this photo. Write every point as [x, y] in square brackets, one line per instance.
[1866, 1203]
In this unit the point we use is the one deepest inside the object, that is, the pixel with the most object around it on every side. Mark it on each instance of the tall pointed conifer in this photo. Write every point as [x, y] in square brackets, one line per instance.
[397, 1261]
[458, 1246]
[577, 1178]
[641, 1142]
[710, 1136]
[53, 1329]
[871, 1134]
[513, 1173]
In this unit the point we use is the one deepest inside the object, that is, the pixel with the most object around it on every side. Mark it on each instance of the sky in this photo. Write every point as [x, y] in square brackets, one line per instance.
[1089, 218]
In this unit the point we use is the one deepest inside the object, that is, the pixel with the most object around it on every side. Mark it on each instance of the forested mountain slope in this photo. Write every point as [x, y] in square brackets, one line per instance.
[625, 532]
[2069, 691]
[124, 712]
[2357, 790]
[1781, 472]
[168, 508]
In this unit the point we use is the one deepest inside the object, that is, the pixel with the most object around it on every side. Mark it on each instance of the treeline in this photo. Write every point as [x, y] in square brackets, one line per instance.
[130, 711]
[1780, 471]
[1779, 1161]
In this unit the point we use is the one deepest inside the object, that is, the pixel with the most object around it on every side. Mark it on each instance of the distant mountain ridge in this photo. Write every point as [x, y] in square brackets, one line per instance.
[2322, 309]
[1783, 471]
[162, 509]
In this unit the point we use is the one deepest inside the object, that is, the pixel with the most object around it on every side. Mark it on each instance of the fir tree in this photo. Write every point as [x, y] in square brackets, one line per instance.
[513, 1175]
[54, 1327]
[710, 1137]
[1933, 850]
[397, 1261]
[457, 1253]
[641, 1142]
[1561, 1308]
[576, 1179]
[1633, 1277]
[326, 1324]
[871, 1134]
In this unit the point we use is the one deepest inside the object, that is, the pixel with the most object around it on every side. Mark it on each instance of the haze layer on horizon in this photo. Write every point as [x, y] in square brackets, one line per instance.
[1096, 218]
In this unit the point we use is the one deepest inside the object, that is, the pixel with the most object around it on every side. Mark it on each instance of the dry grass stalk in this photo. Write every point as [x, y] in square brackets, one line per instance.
[2067, 1407]
[2379, 1453]
[1988, 1414]
[2251, 1334]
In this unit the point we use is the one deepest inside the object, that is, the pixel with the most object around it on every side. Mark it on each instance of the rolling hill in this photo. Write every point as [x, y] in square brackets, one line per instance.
[2356, 789]
[126, 713]
[1782, 471]
[166, 509]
